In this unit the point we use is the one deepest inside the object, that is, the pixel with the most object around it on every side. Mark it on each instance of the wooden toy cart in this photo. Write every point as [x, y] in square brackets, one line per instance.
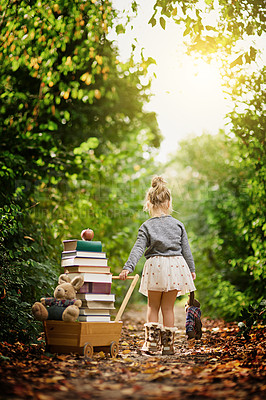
[84, 337]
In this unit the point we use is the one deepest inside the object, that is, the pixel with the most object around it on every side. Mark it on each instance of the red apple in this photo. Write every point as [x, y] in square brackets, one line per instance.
[87, 234]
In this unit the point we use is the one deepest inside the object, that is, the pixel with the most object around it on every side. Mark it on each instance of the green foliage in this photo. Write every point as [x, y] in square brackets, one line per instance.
[212, 198]
[232, 219]
[106, 195]
[222, 299]
[251, 317]
[60, 75]
[248, 121]
[215, 27]
[21, 279]
[71, 120]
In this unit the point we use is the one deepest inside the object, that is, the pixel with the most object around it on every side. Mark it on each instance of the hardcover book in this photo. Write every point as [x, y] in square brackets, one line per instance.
[82, 245]
[88, 269]
[96, 287]
[92, 262]
[91, 277]
[75, 253]
[96, 297]
[94, 318]
[96, 305]
[91, 311]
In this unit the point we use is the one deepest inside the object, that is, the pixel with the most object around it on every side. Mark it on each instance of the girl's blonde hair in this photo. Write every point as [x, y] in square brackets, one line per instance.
[158, 196]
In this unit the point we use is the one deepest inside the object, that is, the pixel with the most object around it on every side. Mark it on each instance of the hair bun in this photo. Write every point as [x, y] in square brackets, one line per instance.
[157, 195]
[157, 181]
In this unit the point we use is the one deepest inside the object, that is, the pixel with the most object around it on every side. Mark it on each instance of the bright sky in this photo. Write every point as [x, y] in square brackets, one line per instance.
[187, 93]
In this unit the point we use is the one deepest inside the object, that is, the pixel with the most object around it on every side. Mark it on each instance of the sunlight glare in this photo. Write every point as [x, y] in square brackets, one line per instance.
[188, 99]
[186, 91]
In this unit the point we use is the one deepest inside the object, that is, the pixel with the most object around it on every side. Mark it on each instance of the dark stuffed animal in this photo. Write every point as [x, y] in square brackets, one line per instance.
[64, 305]
[193, 321]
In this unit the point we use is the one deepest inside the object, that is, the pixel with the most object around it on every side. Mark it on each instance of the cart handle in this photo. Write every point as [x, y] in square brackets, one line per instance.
[128, 295]
[128, 277]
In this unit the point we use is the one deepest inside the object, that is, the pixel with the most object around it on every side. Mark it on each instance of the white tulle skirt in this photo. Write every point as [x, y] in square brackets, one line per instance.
[161, 273]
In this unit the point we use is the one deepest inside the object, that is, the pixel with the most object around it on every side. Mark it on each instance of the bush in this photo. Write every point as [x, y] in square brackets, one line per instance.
[22, 279]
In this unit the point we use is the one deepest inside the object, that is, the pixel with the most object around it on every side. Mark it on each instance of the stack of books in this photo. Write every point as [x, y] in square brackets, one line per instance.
[86, 258]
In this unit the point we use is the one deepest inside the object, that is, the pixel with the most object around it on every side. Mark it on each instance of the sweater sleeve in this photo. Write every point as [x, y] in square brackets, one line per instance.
[186, 252]
[137, 250]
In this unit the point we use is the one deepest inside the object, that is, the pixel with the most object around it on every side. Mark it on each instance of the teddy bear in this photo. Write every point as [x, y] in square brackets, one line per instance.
[63, 306]
[193, 315]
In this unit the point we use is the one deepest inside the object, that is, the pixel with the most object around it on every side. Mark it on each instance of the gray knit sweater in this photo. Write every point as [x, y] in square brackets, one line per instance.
[160, 236]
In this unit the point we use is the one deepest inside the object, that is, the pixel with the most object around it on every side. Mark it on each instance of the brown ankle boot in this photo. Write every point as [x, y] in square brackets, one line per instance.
[198, 328]
[152, 337]
[167, 339]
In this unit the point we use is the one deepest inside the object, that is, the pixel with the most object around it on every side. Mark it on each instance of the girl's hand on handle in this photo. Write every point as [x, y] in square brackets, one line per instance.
[123, 274]
[193, 275]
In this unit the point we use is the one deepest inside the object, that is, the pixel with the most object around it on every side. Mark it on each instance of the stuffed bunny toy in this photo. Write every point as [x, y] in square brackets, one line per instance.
[64, 305]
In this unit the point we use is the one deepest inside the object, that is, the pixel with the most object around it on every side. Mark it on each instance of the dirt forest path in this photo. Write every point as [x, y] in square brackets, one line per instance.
[222, 365]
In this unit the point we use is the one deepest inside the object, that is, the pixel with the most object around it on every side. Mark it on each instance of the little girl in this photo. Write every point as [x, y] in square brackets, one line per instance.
[169, 270]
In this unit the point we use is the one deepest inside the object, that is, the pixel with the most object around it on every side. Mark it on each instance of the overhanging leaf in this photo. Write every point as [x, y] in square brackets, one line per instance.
[162, 22]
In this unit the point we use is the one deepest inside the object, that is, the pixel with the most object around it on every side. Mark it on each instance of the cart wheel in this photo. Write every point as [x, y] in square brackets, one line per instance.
[114, 349]
[88, 350]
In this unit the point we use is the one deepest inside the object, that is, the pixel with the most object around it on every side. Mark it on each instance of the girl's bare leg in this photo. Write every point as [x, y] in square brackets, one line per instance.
[167, 307]
[154, 303]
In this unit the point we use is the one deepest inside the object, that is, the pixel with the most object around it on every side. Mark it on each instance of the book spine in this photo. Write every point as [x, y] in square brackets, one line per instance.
[95, 305]
[85, 245]
[86, 269]
[82, 254]
[96, 297]
[85, 262]
[88, 311]
[96, 288]
[92, 277]
[94, 318]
